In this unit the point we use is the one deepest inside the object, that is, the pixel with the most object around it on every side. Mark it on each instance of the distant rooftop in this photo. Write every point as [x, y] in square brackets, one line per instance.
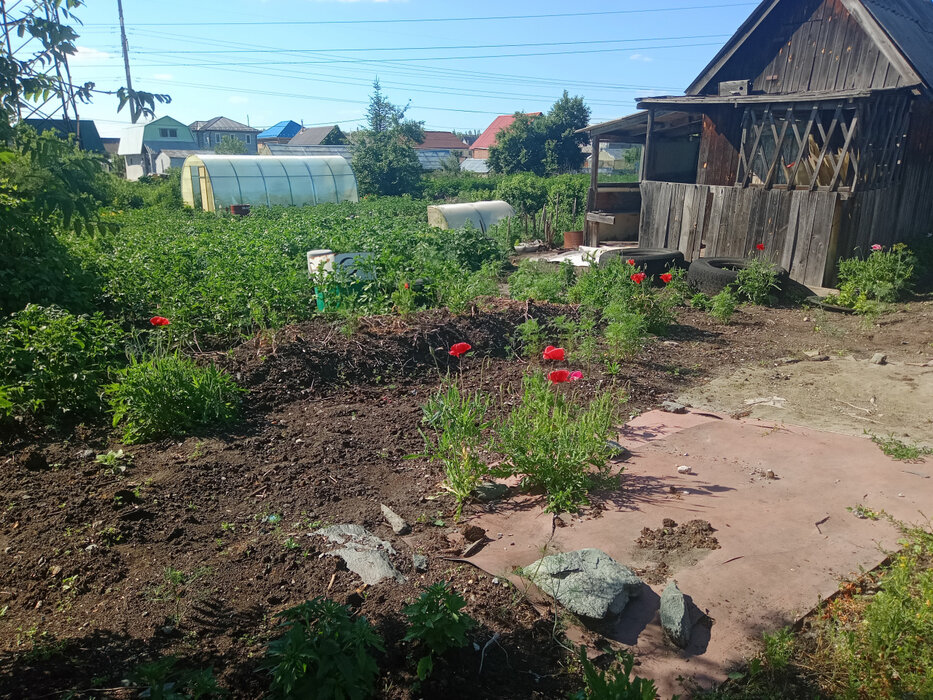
[488, 138]
[221, 124]
[283, 130]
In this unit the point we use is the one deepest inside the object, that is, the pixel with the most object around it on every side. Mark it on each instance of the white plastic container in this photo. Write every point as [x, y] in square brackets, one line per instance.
[320, 261]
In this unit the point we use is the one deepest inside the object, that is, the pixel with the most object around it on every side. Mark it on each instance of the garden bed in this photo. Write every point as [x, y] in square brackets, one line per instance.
[330, 422]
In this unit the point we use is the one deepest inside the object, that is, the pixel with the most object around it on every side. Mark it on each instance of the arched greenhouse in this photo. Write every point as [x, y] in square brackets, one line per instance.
[215, 182]
[481, 215]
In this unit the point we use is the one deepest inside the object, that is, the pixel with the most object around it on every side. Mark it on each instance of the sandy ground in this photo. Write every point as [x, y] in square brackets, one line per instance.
[841, 394]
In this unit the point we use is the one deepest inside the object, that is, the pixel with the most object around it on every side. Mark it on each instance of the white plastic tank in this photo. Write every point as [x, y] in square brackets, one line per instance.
[481, 215]
[321, 260]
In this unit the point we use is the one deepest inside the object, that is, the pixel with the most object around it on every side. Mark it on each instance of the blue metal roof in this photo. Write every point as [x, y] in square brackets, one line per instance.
[282, 130]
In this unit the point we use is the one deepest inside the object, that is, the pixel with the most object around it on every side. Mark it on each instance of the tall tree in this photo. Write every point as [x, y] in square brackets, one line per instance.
[384, 158]
[546, 145]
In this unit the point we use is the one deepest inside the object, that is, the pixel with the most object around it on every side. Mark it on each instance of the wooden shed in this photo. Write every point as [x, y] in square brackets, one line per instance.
[811, 132]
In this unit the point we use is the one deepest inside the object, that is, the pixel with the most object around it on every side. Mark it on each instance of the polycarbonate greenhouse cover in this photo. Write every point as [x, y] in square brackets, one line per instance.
[481, 215]
[276, 180]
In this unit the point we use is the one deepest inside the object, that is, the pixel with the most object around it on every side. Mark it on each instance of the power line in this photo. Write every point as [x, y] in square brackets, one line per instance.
[427, 58]
[422, 20]
[436, 48]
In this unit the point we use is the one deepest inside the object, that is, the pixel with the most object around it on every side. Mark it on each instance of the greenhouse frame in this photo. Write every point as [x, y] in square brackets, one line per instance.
[215, 182]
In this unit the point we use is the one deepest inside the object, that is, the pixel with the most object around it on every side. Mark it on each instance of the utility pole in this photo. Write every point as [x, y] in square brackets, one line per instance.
[134, 110]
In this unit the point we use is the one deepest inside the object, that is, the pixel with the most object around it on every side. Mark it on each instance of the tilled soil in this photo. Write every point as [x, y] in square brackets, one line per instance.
[194, 548]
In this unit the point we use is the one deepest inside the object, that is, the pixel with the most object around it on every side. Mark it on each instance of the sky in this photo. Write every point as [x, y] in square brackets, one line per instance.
[457, 65]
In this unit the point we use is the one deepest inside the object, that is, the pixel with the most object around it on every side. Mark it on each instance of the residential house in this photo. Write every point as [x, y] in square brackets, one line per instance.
[84, 130]
[319, 136]
[810, 135]
[141, 145]
[486, 140]
[283, 132]
[210, 133]
[429, 159]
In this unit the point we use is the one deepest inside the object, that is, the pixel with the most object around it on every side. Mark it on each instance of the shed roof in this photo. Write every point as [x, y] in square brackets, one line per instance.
[488, 138]
[902, 30]
[311, 135]
[283, 130]
[221, 124]
[89, 141]
[442, 139]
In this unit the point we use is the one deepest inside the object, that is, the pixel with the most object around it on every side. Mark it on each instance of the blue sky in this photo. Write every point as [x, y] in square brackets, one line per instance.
[314, 60]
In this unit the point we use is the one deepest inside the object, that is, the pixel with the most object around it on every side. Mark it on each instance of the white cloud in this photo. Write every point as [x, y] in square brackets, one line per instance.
[640, 57]
[85, 54]
[238, 100]
[163, 76]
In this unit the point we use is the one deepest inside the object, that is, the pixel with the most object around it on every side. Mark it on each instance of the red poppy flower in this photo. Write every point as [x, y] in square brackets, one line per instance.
[631, 261]
[638, 277]
[406, 285]
[877, 246]
[760, 246]
[552, 353]
[575, 375]
[667, 277]
[558, 376]
[460, 349]
[159, 321]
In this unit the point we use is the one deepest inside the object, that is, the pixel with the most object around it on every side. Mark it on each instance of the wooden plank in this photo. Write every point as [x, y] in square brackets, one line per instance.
[822, 232]
[880, 37]
[688, 219]
[807, 206]
[718, 195]
[790, 233]
[664, 212]
[853, 127]
[647, 214]
[647, 152]
[600, 218]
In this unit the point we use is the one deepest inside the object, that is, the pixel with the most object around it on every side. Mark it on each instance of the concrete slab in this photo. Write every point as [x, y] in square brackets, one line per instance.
[785, 542]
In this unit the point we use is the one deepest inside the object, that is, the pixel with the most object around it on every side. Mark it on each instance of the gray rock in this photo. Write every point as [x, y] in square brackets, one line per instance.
[879, 358]
[364, 554]
[86, 454]
[588, 582]
[673, 407]
[487, 491]
[420, 562]
[816, 356]
[616, 451]
[396, 521]
[675, 615]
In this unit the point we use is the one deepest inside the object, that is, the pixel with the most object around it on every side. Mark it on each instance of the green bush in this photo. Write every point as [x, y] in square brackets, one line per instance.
[456, 421]
[884, 276]
[554, 444]
[323, 654]
[459, 290]
[53, 364]
[526, 193]
[723, 305]
[170, 396]
[435, 621]
[541, 281]
[758, 283]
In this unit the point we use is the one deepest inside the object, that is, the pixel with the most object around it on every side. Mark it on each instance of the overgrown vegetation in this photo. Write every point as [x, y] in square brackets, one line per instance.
[900, 450]
[615, 682]
[323, 653]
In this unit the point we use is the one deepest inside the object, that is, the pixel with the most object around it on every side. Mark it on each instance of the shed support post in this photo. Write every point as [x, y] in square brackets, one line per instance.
[590, 234]
[645, 173]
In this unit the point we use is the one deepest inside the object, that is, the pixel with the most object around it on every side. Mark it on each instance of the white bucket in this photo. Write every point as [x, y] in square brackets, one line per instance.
[320, 261]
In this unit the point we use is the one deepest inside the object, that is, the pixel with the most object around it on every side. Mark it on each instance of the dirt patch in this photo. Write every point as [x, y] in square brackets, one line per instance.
[694, 534]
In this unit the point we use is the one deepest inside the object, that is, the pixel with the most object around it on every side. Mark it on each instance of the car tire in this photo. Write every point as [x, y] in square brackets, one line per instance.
[652, 261]
[712, 275]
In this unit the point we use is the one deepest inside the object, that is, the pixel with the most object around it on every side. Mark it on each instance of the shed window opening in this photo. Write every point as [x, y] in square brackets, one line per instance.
[618, 162]
[168, 133]
[809, 147]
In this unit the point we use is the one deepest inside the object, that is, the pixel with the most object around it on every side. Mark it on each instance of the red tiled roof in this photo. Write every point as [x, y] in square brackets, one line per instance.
[504, 121]
[442, 139]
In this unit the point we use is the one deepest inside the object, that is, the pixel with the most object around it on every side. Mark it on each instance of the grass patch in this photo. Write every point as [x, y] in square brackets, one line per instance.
[900, 450]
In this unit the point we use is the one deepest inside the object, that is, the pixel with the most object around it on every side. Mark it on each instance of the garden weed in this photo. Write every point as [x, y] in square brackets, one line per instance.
[723, 306]
[615, 683]
[435, 621]
[758, 283]
[897, 449]
[541, 281]
[170, 396]
[323, 653]
[531, 337]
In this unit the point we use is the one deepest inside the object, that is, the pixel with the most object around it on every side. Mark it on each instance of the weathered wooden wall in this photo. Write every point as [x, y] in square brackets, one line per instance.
[827, 50]
[797, 227]
[904, 209]
[719, 146]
